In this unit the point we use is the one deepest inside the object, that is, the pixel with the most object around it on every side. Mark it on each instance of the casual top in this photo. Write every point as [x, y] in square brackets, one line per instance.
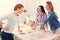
[40, 18]
[13, 20]
[52, 20]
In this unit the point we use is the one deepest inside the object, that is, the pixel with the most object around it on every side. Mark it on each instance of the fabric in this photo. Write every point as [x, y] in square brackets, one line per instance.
[7, 36]
[52, 20]
[12, 22]
[40, 18]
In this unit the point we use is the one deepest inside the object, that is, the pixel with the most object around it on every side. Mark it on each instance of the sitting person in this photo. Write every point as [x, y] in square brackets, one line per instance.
[41, 16]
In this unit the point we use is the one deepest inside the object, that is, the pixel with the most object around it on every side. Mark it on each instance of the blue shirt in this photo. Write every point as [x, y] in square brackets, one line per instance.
[52, 20]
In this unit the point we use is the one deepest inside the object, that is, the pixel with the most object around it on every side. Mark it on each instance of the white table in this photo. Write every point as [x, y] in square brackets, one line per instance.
[32, 34]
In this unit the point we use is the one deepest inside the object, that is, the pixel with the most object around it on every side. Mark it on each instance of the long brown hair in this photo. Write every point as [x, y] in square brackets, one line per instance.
[42, 8]
[49, 3]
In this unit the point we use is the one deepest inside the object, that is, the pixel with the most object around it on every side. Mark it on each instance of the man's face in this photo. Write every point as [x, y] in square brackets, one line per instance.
[20, 10]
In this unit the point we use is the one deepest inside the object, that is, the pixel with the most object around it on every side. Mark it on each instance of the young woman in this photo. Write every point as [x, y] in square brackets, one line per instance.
[52, 17]
[40, 16]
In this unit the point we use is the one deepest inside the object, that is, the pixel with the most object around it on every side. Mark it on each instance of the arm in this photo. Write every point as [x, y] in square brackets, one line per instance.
[46, 25]
[49, 18]
[3, 18]
[45, 17]
[36, 19]
[19, 26]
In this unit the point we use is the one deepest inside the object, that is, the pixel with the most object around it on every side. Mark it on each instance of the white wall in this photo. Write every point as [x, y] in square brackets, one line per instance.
[55, 4]
[6, 6]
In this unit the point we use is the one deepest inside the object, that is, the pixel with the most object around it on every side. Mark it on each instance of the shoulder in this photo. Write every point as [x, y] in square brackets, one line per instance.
[11, 14]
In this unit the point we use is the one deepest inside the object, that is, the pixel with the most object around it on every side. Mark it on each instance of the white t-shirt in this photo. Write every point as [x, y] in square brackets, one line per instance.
[13, 20]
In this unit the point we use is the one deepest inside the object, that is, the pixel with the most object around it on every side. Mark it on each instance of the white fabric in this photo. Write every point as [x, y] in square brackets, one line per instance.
[12, 21]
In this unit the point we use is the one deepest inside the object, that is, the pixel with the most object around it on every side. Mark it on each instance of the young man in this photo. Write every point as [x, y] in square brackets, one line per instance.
[13, 20]
[1, 26]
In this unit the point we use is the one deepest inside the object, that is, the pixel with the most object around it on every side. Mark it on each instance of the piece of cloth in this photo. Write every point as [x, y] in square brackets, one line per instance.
[7, 36]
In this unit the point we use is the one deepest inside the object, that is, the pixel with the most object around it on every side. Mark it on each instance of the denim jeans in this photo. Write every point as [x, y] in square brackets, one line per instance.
[7, 36]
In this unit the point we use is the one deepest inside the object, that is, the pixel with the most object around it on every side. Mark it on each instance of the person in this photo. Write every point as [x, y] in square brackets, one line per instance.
[52, 17]
[41, 16]
[1, 26]
[13, 20]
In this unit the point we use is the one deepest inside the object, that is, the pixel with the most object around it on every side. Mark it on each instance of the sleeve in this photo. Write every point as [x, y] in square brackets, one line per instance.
[36, 18]
[49, 18]
[45, 17]
[3, 18]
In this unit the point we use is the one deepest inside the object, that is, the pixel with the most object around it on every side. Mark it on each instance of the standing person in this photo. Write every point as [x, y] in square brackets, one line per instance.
[52, 17]
[1, 26]
[41, 16]
[13, 19]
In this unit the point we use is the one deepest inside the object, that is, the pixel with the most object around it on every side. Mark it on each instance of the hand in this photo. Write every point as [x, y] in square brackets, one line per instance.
[1, 24]
[41, 24]
[19, 30]
[33, 28]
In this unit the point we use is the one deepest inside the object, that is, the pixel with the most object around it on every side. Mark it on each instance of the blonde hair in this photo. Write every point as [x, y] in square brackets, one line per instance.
[49, 3]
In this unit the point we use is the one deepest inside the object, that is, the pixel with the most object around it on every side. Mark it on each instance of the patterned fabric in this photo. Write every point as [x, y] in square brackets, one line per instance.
[40, 18]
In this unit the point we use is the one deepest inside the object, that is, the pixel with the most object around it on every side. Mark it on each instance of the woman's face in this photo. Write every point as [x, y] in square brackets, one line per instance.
[47, 7]
[39, 10]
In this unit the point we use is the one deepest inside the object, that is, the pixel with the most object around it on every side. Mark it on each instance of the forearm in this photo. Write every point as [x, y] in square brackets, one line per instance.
[19, 29]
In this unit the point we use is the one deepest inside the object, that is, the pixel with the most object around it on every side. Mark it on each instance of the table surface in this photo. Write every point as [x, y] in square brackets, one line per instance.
[29, 34]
